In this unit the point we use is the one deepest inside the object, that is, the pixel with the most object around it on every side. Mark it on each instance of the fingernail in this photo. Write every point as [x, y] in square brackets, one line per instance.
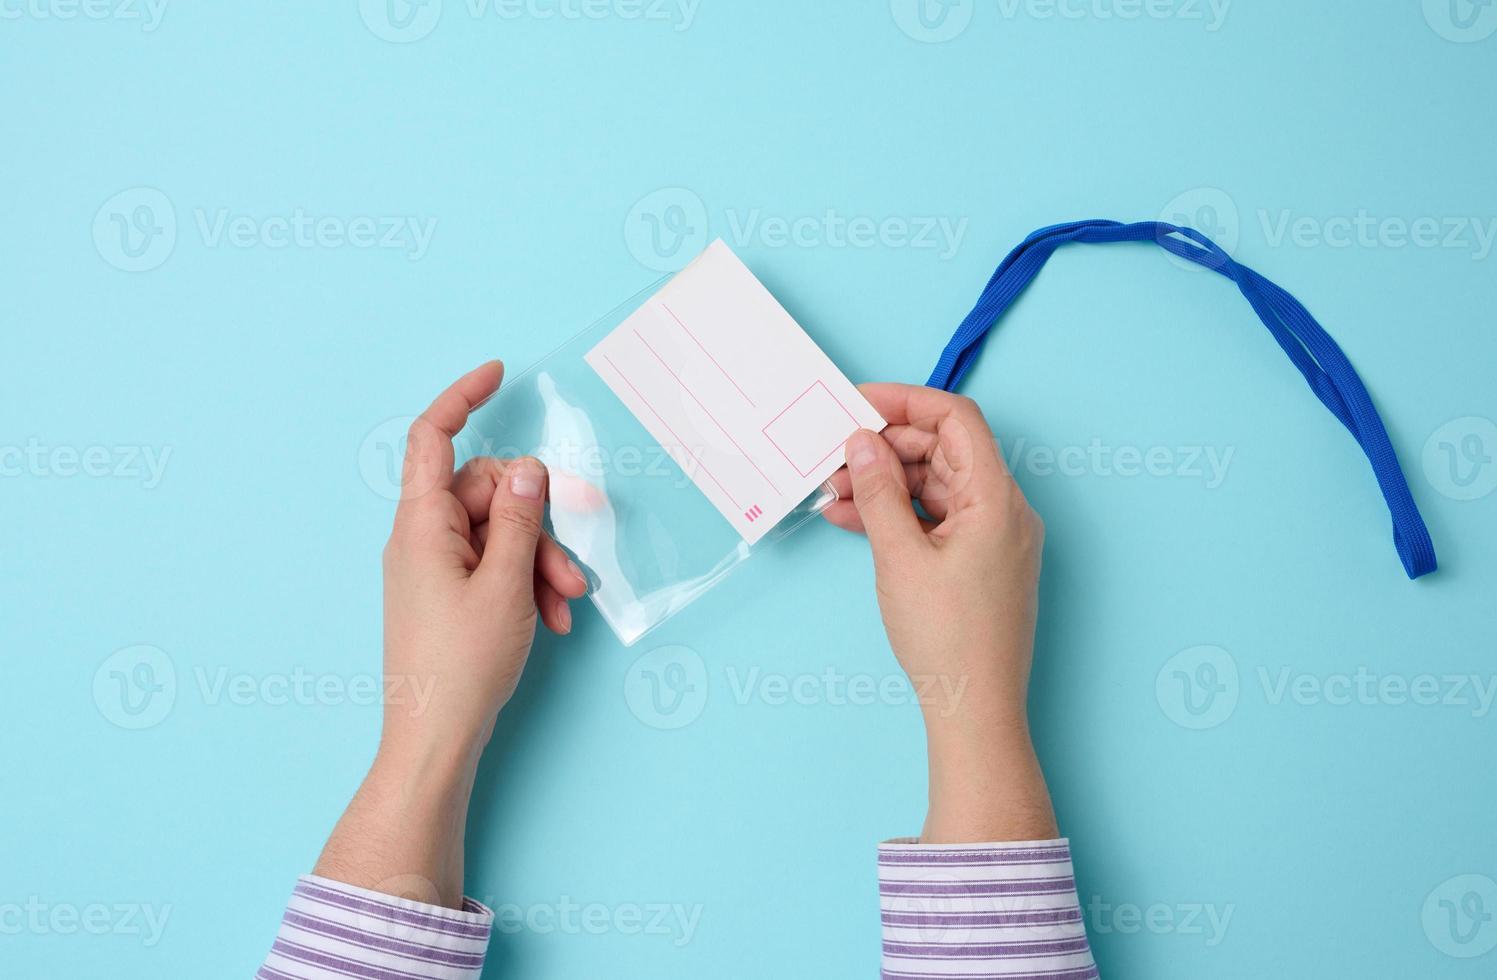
[576, 572]
[860, 451]
[564, 616]
[527, 479]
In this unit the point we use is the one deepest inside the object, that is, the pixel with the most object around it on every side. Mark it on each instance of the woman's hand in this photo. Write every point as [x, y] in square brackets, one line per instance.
[958, 589]
[468, 570]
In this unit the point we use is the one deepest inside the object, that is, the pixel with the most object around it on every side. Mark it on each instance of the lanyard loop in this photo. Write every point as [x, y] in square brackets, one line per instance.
[1325, 368]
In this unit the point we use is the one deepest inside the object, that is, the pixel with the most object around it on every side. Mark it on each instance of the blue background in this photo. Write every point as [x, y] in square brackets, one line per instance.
[267, 374]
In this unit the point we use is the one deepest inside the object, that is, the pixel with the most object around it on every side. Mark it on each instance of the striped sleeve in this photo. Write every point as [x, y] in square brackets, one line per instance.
[333, 931]
[981, 911]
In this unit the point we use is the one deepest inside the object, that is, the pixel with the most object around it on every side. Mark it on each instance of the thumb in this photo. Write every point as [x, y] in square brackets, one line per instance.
[515, 518]
[879, 493]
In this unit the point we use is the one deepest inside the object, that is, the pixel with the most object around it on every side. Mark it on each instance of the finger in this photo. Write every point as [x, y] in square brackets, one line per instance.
[474, 488]
[552, 606]
[879, 494]
[912, 442]
[553, 565]
[844, 514]
[515, 515]
[966, 461]
[918, 479]
[428, 452]
[902, 404]
[551, 561]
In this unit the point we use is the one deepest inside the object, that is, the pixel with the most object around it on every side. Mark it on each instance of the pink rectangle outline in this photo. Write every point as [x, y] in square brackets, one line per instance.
[765, 430]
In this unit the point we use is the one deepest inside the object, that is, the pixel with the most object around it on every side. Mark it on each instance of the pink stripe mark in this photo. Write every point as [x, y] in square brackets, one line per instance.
[704, 408]
[709, 354]
[835, 449]
[668, 428]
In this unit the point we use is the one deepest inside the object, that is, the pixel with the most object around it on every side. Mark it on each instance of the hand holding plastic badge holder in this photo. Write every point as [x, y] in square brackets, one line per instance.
[680, 432]
[689, 425]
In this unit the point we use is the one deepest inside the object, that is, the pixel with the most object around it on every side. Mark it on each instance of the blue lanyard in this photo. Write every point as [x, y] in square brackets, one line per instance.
[1326, 369]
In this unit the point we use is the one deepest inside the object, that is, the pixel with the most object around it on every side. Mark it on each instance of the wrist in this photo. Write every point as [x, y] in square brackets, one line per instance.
[985, 779]
[427, 763]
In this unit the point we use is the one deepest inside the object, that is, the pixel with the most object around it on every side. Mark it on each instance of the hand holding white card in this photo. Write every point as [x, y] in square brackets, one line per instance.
[731, 386]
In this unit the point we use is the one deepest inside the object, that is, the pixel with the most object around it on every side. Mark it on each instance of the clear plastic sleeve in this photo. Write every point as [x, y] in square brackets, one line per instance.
[621, 504]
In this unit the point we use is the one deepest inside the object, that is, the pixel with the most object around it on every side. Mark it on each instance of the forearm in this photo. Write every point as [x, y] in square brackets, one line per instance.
[386, 897]
[985, 780]
[985, 783]
[403, 832]
[988, 889]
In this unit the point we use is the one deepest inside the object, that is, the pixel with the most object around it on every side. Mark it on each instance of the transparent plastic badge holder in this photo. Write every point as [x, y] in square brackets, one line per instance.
[620, 503]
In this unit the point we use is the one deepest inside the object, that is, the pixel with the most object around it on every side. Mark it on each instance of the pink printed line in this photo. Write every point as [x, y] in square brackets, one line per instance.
[704, 408]
[856, 424]
[668, 428]
[709, 354]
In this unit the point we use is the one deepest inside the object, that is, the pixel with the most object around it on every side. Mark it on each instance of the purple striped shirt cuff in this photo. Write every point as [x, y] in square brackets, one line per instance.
[333, 931]
[981, 911]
